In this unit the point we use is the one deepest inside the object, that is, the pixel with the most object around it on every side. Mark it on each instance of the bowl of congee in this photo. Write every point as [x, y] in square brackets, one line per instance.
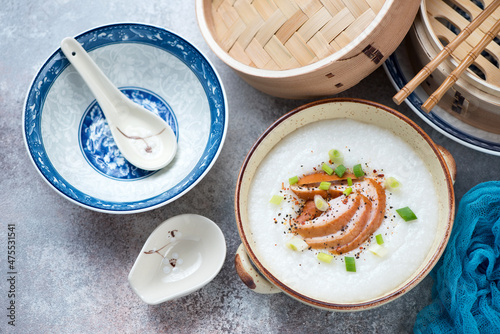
[343, 204]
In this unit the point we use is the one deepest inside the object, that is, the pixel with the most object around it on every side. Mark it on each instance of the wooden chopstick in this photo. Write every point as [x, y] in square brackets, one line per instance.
[464, 64]
[447, 51]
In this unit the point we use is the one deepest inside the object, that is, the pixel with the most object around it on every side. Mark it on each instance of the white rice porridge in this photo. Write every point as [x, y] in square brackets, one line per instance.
[408, 243]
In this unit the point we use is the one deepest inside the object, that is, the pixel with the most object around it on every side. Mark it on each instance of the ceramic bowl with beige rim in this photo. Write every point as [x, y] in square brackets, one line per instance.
[362, 271]
[303, 49]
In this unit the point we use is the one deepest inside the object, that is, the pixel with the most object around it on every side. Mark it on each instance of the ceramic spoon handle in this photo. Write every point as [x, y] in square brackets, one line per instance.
[106, 94]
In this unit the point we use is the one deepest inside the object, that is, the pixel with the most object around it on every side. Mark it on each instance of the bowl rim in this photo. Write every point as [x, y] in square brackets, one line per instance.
[217, 135]
[294, 72]
[357, 306]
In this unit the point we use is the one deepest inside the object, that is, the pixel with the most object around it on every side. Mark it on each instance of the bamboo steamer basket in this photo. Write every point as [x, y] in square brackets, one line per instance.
[304, 48]
[475, 97]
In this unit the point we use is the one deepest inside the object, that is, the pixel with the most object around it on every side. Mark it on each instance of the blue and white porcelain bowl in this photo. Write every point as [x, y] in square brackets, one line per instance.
[69, 140]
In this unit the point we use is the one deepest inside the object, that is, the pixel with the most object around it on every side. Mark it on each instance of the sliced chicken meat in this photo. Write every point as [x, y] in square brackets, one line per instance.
[339, 213]
[309, 212]
[308, 186]
[317, 178]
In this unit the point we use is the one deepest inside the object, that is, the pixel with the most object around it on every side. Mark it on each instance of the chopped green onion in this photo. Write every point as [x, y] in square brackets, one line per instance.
[325, 257]
[391, 182]
[350, 263]
[297, 244]
[378, 250]
[320, 203]
[327, 169]
[348, 191]
[336, 156]
[276, 199]
[358, 170]
[340, 170]
[406, 214]
[293, 180]
[349, 181]
[324, 185]
[380, 239]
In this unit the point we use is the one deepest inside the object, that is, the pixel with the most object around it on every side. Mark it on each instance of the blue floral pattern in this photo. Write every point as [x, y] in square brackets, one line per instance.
[202, 114]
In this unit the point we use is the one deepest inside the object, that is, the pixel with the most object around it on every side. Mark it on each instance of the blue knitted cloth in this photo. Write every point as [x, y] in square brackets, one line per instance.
[466, 295]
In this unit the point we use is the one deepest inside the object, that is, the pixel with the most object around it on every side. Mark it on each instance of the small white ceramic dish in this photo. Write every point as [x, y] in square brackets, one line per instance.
[267, 278]
[68, 138]
[181, 255]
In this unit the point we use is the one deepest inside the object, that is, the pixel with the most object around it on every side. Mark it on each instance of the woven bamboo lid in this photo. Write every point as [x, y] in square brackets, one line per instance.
[287, 34]
[447, 18]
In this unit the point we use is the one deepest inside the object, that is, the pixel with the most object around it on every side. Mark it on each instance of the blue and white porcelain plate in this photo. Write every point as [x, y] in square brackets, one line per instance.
[400, 71]
[68, 137]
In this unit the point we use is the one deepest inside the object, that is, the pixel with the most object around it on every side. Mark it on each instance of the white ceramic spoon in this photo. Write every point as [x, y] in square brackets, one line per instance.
[181, 255]
[144, 138]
